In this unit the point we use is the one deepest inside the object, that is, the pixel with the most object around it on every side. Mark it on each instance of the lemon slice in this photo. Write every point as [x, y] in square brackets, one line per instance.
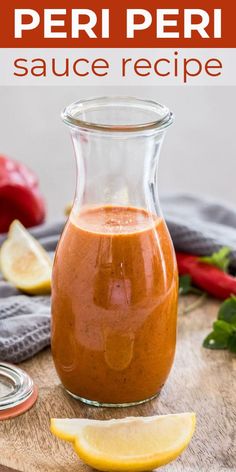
[24, 262]
[128, 444]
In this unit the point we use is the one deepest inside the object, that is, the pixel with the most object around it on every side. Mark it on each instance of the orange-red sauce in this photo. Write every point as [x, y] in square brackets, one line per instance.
[114, 304]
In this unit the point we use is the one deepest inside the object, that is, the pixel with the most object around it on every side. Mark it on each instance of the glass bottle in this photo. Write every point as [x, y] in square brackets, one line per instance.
[115, 283]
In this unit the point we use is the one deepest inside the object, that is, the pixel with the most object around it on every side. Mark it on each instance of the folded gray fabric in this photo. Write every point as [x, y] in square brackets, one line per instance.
[200, 225]
[24, 326]
[197, 225]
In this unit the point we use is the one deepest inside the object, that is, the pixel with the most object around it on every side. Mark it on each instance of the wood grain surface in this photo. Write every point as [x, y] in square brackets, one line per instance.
[201, 380]
[3, 468]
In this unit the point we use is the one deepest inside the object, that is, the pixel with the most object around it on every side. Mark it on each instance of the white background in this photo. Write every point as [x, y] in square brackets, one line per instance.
[198, 155]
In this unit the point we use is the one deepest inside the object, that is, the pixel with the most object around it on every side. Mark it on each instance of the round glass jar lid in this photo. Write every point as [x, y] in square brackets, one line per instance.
[17, 391]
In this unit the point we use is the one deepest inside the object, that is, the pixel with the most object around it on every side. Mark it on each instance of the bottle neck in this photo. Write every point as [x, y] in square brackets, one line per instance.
[117, 171]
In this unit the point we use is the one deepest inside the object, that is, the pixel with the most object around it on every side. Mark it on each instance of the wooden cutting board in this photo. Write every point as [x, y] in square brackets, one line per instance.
[201, 380]
[6, 469]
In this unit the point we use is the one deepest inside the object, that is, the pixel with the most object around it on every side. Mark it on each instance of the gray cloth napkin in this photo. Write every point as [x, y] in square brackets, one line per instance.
[197, 225]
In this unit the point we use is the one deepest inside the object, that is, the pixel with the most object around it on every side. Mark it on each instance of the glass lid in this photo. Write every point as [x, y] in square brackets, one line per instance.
[16, 386]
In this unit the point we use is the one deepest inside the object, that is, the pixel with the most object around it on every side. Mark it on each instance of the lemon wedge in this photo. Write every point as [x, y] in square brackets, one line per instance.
[128, 444]
[24, 262]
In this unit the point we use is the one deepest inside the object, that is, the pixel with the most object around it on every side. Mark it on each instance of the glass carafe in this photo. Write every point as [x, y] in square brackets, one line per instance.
[115, 283]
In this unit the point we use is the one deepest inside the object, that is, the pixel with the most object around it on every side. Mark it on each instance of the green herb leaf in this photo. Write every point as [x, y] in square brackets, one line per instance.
[232, 342]
[227, 311]
[185, 285]
[221, 326]
[219, 259]
[223, 335]
[217, 340]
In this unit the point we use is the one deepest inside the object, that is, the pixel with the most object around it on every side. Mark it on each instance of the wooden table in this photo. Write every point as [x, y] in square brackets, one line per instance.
[201, 380]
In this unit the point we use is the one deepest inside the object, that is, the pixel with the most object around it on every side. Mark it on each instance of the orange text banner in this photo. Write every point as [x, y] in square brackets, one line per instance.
[113, 24]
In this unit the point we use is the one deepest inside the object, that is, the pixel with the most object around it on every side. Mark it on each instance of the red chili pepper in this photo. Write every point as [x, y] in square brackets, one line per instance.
[206, 276]
[19, 195]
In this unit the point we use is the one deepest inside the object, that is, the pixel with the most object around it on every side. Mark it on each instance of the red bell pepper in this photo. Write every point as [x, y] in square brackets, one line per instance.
[19, 195]
[205, 276]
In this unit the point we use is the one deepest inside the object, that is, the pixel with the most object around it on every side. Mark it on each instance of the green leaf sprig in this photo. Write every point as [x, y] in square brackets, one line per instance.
[185, 286]
[223, 335]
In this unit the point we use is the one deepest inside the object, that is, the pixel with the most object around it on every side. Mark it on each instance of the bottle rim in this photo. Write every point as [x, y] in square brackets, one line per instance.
[80, 114]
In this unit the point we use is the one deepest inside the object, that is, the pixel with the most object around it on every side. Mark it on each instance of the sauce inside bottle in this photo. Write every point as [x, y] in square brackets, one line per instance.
[114, 305]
